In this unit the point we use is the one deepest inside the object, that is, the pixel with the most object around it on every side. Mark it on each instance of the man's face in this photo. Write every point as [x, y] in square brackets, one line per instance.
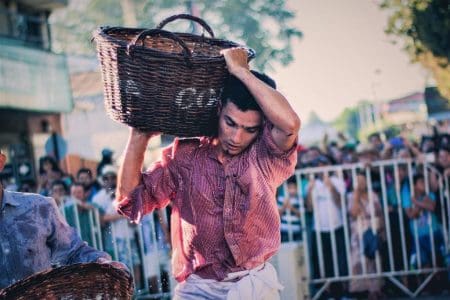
[402, 172]
[376, 141]
[77, 192]
[420, 186]
[84, 178]
[109, 181]
[58, 191]
[404, 154]
[292, 189]
[237, 129]
[444, 158]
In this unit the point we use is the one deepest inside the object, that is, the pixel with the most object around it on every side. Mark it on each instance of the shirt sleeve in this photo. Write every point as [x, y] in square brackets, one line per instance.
[432, 196]
[351, 201]
[65, 245]
[157, 186]
[275, 163]
[406, 197]
[339, 184]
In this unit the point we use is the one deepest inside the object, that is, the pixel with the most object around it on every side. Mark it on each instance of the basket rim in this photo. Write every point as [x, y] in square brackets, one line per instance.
[99, 34]
[47, 275]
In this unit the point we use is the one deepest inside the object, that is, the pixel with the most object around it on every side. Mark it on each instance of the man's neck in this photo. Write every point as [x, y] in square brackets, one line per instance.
[222, 156]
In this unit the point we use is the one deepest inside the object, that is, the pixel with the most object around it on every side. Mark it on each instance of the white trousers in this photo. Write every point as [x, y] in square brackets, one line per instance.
[255, 284]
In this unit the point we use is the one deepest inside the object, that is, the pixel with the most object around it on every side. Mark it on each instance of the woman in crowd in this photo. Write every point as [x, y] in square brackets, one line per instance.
[365, 214]
[49, 172]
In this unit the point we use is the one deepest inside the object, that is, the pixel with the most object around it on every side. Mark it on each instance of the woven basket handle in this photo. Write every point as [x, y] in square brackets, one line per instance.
[186, 17]
[167, 34]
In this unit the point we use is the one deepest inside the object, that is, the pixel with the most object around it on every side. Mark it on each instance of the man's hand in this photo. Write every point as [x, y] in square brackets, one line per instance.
[236, 59]
[287, 203]
[115, 264]
[311, 184]
[85, 206]
[136, 133]
[130, 170]
[327, 180]
[447, 172]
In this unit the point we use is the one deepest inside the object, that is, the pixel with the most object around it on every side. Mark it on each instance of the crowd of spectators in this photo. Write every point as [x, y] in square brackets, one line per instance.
[327, 196]
[86, 202]
[352, 203]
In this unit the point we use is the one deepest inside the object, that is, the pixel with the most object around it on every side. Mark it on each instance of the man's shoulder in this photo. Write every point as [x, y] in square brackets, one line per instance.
[182, 147]
[102, 199]
[30, 199]
[100, 196]
[188, 143]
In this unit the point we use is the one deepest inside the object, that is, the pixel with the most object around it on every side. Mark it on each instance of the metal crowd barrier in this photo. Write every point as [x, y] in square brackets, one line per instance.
[143, 239]
[386, 266]
[142, 253]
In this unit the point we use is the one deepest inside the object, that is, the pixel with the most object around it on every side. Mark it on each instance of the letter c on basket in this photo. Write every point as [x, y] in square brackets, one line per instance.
[189, 96]
[185, 96]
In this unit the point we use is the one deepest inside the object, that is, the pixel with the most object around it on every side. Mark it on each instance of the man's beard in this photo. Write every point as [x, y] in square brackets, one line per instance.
[87, 186]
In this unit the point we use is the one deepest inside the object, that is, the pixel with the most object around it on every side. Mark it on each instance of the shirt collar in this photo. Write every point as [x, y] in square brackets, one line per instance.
[8, 198]
[213, 149]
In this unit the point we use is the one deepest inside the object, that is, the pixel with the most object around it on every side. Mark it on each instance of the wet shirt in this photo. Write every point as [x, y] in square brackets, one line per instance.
[224, 215]
[34, 236]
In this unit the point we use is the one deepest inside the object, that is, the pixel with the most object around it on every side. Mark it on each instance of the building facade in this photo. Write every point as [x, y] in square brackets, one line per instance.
[34, 85]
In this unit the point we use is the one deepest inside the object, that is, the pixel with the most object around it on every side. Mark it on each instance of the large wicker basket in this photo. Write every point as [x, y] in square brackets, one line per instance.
[156, 80]
[79, 281]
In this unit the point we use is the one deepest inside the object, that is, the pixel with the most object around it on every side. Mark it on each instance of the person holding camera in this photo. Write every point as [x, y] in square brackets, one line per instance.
[324, 199]
[365, 214]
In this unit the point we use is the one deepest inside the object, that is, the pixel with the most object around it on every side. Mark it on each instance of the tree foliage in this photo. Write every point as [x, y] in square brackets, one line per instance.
[262, 25]
[424, 25]
[348, 121]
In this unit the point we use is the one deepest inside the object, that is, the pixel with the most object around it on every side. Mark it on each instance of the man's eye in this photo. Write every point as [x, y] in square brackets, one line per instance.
[252, 130]
[229, 123]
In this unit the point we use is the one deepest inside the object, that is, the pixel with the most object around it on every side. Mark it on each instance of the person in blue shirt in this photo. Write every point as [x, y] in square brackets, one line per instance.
[423, 223]
[34, 237]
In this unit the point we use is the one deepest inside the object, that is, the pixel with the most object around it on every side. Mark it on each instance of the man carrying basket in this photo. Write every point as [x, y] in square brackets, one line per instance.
[225, 224]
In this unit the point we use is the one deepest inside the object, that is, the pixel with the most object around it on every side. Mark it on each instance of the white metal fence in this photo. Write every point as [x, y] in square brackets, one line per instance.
[328, 251]
[407, 246]
[141, 247]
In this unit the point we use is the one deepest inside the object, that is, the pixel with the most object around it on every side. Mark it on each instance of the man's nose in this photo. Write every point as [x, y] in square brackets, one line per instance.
[237, 136]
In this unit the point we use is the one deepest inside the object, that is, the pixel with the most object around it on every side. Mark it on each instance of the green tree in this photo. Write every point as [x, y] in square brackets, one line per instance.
[262, 25]
[424, 25]
[313, 118]
[348, 122]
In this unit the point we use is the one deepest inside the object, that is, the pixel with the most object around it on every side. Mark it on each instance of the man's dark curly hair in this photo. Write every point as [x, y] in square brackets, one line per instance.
[236, 92]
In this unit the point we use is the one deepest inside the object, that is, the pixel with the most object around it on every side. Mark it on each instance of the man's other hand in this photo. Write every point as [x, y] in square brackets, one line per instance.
[236, 59]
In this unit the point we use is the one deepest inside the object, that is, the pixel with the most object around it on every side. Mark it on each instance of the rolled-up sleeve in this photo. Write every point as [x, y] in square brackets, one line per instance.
[65, 245]
[156, 188]
[276, 163]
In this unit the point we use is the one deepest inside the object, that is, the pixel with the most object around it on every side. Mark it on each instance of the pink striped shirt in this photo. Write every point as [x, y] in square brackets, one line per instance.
[224, 215]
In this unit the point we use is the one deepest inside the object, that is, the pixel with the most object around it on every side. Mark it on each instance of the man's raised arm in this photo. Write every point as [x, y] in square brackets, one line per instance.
[273, 104]
[129, 175]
